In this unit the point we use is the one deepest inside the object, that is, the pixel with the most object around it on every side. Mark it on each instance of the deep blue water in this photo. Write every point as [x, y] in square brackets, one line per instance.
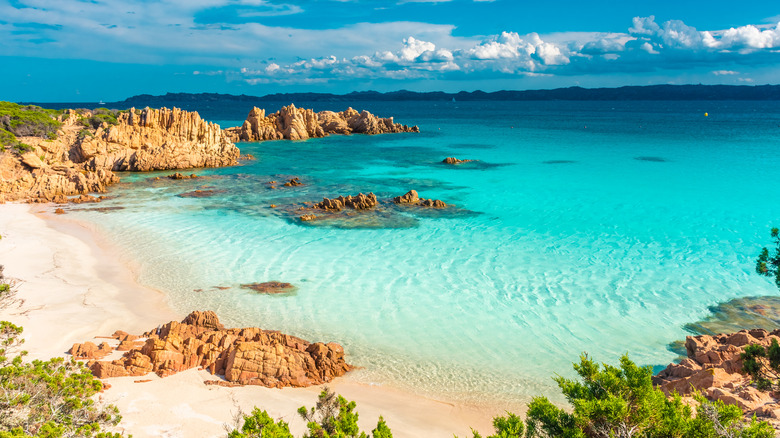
[584, 226]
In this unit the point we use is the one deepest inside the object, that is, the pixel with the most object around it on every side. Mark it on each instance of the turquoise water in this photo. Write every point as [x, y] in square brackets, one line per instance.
[585, 226]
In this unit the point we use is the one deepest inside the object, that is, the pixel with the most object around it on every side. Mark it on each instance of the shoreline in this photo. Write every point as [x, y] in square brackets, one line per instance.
[97, 293]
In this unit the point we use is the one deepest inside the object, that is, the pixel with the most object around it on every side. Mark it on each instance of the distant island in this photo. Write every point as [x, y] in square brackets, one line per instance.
[649, 92]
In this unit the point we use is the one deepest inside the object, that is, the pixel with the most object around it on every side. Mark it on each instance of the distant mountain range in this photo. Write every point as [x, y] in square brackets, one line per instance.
[649, 92]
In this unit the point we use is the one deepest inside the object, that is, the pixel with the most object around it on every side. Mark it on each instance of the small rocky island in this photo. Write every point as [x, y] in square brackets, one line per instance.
[291, 123]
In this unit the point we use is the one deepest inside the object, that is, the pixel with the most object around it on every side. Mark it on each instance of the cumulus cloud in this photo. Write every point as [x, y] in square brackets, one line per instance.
[647, 45]
[176, 32]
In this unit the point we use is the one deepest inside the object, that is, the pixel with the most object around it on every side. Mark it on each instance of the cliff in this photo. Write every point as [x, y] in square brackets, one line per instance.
[90, 146]
[291, 123]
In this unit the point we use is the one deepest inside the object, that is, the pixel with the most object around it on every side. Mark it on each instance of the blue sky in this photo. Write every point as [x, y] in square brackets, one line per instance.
[88, 50]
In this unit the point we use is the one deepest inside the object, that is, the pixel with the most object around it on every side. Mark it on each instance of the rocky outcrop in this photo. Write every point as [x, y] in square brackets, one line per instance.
[83, 159]
[178, 175]
[157, 139]
[453, 160]
[49, 182]
[713, 367]
[293, 123]
[244, 356]
[359, 202]
[412, 198]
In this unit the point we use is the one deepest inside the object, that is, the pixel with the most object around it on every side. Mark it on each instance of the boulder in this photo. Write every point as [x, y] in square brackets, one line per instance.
[359, 202]
[453, 160]
[245, 356]
[412, 198]
[89, 350]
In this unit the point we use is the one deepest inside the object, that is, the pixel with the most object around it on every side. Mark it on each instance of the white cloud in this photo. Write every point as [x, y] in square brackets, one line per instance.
[745, 37]
[168, 32]
[414, 48]
[725, 72]
[647, 47]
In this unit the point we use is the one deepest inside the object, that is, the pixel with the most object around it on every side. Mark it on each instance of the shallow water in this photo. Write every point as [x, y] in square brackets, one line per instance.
[586, 226]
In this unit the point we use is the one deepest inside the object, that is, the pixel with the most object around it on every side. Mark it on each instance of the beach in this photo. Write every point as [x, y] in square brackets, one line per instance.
[75, 288]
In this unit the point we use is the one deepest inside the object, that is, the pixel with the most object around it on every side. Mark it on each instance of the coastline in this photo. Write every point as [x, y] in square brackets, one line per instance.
[75, 287]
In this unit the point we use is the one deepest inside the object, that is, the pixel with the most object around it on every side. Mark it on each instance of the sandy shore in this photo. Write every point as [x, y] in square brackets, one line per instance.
[75, 288]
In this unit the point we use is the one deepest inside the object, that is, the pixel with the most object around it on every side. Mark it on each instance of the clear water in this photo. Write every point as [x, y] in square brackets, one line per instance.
[599, 227]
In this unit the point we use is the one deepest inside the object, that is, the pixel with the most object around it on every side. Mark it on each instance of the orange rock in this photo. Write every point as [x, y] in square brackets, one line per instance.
[246, 356]
[89, 350]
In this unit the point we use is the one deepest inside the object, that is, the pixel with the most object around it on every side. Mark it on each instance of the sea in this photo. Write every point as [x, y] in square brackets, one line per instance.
[598, 228]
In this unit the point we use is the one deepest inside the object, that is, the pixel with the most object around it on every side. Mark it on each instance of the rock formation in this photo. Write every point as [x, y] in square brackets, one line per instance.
[359, 202]
[178, 175]
[245, 356]
[293, 123]
[153, 139]
[412, 198]
[714, 368]
[453, 160]
[82, 159]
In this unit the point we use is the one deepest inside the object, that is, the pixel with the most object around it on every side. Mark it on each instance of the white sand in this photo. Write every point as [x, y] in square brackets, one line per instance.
[75, 288]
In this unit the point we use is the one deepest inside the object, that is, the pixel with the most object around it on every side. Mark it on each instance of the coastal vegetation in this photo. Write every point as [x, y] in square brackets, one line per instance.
[332, 417]
[769, 266]
[620, 401]
[47, 398]
[99, 116]
[26, 121]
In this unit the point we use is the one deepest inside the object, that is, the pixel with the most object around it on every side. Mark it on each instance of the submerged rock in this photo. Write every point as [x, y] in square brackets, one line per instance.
[245, 356]
[270, 287]
[178, 175]
[200, 193]
[738, 314]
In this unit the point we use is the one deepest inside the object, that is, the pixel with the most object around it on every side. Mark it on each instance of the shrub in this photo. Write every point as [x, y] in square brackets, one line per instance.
[763, 364]
[261, 425]
[621, 402]
[770, 266]
[29, 120]
[332, 417]
[47, 399]
[100, 116]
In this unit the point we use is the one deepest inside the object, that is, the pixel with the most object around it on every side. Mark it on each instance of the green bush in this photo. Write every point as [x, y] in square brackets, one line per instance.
[46, 399]
[763, 365]
[609, 401]
[100, 116]
[770, 266]
[332, 417]
[261, 425]
[29, 120]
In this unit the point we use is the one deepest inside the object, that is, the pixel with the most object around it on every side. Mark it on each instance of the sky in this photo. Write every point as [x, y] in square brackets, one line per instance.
[91, 50]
